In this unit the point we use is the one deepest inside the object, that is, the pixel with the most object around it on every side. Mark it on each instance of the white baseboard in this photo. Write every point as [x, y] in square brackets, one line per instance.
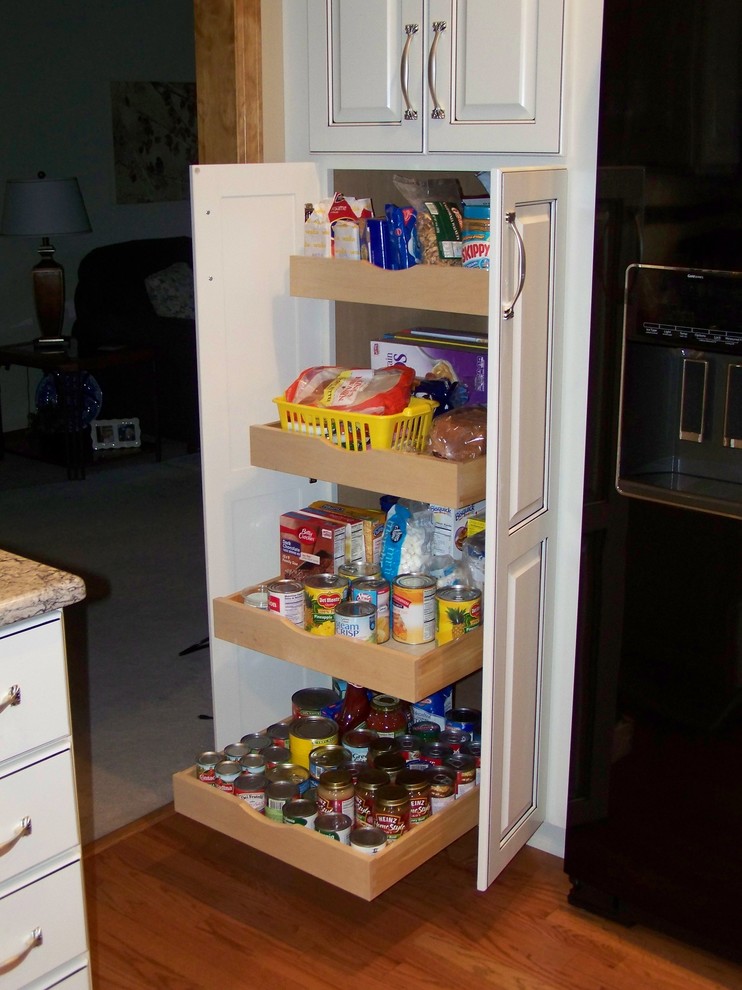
[550, 839]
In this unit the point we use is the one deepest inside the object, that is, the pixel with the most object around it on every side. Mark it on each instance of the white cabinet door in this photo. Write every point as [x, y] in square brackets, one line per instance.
[527, 266]
[497, 75]
[435, 75]
[253, 339]
[365, 75]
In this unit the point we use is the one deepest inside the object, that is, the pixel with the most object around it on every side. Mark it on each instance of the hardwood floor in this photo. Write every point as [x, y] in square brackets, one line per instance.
[174, 905]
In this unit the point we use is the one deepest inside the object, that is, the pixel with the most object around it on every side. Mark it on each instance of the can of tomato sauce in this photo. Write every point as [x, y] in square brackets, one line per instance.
[250, 788]
[225, 775]
[206, 765]
[322, 595]
[413, 609]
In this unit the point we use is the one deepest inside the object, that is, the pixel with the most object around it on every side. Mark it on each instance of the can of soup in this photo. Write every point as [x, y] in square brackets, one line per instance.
[313, 701]
[307, 733]
[250, 788]
[327, 758]
[356, 620]
[375, 591]
[368, 839]
[413, 609]
[300, 811]
[357, 741]
[277, 793]
[286, 598]
[458, 611]
[336, 826]
[206, 765]
[322, 595]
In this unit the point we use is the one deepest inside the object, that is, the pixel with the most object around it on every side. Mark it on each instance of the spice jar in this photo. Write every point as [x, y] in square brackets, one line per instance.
[387, 717]
[335, 793]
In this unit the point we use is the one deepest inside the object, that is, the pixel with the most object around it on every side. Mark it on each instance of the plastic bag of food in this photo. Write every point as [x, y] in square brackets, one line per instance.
[383, 391]
[407, 543]
[459, 435]
[439, 219]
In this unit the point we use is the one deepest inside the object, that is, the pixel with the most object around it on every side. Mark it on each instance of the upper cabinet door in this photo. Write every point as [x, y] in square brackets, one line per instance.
[365, 75]
[435, 75]
[495, 67]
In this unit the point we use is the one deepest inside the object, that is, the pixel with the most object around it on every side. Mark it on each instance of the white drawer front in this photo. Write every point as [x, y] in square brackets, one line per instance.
[53, 904]
[44, 793]
[34, 661]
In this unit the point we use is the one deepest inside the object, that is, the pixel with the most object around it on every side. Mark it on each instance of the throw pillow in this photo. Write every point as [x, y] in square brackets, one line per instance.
[171, 291]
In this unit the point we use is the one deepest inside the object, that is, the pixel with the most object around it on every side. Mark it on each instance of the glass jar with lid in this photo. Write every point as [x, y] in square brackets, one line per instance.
[335, 793]
[387, 716]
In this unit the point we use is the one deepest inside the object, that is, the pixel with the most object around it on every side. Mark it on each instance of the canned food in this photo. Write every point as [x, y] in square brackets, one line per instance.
[413, 609]
[427, 732]
[392, 811]
[442, 788]
[391, 762]
[473, 749]
[286, 598]
[256, 741]
[335, 826]
[300, 811]
[466, 771]
[458, 611]
[312, 701]
[291, 772]
[357, 741]
[417, 785]
[324, 758]
[367, 785]
[278, 733]
[335, 792]
[322, 595]
[235, 751]
[206, 765]
[225, 774]
[250, 788]
[409, 747]
[307, 733]
[382, 744]
[436, 753]
[468, 719]
[359, 570]
[252, 763]
[455, 738]
[368, 839]
[276, 754]
[277, 793]
[356, 620]
[375, 591]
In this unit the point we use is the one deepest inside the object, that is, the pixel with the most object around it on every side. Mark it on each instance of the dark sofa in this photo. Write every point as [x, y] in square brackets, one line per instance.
[113, 305]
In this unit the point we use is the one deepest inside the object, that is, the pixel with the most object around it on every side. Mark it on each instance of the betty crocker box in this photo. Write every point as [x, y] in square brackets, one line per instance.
[456, 363]
[310, 545]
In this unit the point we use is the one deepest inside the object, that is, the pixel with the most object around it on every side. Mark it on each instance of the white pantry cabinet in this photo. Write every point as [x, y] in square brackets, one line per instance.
[264, 313]
[43, 934]
[435, 75]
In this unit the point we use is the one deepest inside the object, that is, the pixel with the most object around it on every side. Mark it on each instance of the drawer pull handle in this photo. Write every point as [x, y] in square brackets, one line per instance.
[12, 698]
[508, 311]
[36, 938]
[23, 829]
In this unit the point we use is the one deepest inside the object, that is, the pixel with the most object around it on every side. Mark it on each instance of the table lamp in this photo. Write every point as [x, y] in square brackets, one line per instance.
[42, 207]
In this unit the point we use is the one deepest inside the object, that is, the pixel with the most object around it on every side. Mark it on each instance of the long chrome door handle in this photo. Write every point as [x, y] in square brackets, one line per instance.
[508, 311]
[437, 113]
[404, 72]
[11, 698]
[35, 938]
[24, 828]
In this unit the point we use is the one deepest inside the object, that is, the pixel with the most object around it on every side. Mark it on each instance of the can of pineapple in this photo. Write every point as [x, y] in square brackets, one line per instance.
[458, 611]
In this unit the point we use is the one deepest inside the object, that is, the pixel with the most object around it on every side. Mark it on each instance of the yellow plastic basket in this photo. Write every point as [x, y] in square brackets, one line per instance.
[407, 430]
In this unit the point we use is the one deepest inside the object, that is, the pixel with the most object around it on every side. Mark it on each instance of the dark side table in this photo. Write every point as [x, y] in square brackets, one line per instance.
[70, 371]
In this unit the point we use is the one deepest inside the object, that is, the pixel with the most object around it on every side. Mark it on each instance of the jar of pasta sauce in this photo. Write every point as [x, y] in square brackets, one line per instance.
[387, 717]
[392, 811]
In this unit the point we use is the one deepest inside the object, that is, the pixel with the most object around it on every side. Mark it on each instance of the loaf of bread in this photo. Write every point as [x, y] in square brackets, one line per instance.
[459, 435]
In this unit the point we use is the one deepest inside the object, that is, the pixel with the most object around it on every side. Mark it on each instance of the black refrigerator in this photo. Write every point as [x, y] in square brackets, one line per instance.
[655, 807]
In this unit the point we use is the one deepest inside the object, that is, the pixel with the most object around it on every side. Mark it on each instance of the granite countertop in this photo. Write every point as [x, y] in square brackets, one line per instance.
[28, 588]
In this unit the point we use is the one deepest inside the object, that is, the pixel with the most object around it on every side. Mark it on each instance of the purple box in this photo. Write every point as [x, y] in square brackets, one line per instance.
[467, 365]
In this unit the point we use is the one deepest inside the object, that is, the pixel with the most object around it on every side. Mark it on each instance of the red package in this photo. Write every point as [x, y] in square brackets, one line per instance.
[383, 392]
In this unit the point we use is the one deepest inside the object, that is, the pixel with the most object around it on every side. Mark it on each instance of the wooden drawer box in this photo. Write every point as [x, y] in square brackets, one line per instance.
[359, 873]
[409, 672]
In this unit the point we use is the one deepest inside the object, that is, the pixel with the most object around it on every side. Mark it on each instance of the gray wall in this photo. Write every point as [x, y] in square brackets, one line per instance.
[56, 63]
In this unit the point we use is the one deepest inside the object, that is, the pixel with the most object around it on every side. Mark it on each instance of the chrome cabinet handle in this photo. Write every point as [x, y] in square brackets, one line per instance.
[36, 938]
[404, 72]
[508, 311]
[12, 698]
[24, 828]
[437, 113]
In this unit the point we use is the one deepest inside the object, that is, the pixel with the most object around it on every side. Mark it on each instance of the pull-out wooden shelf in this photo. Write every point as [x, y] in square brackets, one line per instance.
[359, 873]
[408, 672]
[407, 475]
[442, 288]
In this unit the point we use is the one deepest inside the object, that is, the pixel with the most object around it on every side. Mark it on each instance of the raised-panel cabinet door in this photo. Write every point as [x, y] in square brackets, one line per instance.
[527, 261]
[494, 75]
[365, 75]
